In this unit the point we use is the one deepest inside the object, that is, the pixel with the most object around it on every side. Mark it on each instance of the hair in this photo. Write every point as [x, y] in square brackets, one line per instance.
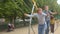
[52, 17]
[39, 9]
[45, 5]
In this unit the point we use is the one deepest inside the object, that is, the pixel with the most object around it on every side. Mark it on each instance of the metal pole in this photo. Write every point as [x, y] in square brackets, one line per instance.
[31, 20]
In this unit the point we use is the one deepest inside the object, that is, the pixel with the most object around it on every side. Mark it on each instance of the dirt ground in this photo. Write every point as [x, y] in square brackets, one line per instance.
[24, 30]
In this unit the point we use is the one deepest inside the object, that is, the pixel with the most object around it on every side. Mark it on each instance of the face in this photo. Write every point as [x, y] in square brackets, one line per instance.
[39, 11]
[46, 8]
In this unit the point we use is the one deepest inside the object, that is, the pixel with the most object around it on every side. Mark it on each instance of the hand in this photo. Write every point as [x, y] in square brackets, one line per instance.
[55, 12]
[48, 14]
[25, 14]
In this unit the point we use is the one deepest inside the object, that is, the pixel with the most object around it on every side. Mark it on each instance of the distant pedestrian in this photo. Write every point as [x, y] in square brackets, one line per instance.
[12, 26]
[9, 27]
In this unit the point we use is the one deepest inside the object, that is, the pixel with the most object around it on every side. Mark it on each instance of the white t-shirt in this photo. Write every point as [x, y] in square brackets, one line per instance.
[40, 17]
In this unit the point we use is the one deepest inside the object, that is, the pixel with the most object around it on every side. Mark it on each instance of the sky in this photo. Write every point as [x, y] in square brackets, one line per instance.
[58, 1]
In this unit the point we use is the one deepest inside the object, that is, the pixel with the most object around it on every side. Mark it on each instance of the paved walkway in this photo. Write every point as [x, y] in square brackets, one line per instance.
[24, 30]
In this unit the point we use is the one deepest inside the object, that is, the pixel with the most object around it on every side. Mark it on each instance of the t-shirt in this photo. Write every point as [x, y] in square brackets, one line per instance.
[52, 21]
[40, 17]
[47, 12]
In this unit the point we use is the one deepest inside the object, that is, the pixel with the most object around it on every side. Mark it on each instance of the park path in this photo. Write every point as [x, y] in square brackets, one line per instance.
[24, 30]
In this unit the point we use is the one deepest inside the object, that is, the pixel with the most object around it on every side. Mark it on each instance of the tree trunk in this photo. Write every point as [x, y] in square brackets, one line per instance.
[23, 17]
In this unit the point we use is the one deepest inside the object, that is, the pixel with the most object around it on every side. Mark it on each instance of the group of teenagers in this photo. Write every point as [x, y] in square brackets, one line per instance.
[46, 20]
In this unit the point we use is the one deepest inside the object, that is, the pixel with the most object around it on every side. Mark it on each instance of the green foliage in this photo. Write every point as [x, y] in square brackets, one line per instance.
[9, 8]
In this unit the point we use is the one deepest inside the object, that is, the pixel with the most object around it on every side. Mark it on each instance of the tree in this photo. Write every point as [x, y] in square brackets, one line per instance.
[13, 8]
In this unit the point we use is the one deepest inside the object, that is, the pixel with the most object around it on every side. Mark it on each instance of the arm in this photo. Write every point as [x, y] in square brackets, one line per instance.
[30, 15]
[53, 12]
[45, 14]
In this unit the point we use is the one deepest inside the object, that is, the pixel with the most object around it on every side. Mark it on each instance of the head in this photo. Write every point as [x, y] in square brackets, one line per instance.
[39, 11]
[46, 8]
[52, 17]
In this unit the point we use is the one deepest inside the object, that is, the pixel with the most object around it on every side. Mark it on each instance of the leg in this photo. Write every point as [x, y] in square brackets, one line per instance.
[52, 28]
[41, 29]
[9, 28]
[45, 26]
[47, 30]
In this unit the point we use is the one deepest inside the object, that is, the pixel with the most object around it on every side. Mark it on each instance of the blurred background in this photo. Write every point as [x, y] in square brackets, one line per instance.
[12, 11]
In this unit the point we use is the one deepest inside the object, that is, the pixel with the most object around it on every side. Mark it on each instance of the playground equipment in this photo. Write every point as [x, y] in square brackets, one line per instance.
[30, 27]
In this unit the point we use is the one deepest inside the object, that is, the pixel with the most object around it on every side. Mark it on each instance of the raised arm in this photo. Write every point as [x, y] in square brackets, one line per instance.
[30, 15]
[45, 14]
[53, 12]
[27, 15]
